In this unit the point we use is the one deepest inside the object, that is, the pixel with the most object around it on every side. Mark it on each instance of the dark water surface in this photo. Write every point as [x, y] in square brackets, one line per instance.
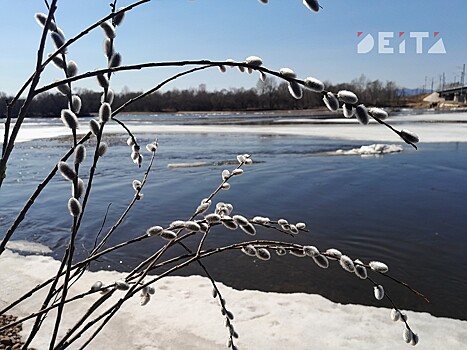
[407, 210]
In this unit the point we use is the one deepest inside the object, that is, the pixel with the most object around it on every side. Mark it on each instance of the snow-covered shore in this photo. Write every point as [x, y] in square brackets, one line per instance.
[449, 127]
[183, 315]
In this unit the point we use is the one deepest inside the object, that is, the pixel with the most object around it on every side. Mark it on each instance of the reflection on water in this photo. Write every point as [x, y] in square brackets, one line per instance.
[406, 209]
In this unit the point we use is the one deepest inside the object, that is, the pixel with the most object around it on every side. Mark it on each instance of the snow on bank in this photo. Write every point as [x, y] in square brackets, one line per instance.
[183, 315]
[451, 127]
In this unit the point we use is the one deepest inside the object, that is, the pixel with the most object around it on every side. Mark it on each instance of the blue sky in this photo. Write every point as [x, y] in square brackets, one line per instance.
[283, 33]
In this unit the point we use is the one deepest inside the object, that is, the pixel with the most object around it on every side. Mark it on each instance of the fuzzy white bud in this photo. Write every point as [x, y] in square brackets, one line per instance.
[66, 171]
[254, 61]
[71, 69]
[237, 172]
[378, 113]
[311, 250]
[115, 60]
[64, 89]
[334, 253]
[312, 5]
[144, 299]
[297, 252]
[152, 147]
[261, 220]
[395, 315]
[314, 84]
[347, 97]
[287, 72]
[109, 29]
[202, 208]
[407, 335]
[295, 90]
[379, 292]
[58, 39]
[79, 154]
[331, 101]
[75, 105]
[102, 80]
[229, 223]
[94, 126]
[263, 254]
[168, 235]
[69, 119]
[300, 225]
[213, 218]
[122, 285]
[177, 224]
[41, 19]
[414, 340]
[241, 158]
[192, 226]
[102, 150]
[248, 229]
[78, 192]
[241, 220]
[282, 222]
[321, 261]
[57, 60]
[360, 270]
[136, 185]
[378, 266]
[409, 136]
[347, 263]
[109, 97]
[348, 110]
[293, 229]
[154, 230]
[105, 112]
[138, 160]
[225, 174]
[96, 286]
[134, 155]
[249, 250]
[108, 48]
[118, 18]
[74, 207]
[361, 112]
[281, 251]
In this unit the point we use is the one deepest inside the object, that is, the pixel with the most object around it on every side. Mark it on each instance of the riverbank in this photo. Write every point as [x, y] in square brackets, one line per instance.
[433, 127]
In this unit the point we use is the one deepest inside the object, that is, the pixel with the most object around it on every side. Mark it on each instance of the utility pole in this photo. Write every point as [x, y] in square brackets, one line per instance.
[432, 82]
[463, 74]
[462, 83]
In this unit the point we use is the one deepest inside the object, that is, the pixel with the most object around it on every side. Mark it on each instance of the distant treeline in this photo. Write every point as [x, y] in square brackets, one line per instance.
[268, 95]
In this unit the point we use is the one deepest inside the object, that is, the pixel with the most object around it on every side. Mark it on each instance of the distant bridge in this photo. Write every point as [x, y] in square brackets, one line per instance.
[457, 94]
